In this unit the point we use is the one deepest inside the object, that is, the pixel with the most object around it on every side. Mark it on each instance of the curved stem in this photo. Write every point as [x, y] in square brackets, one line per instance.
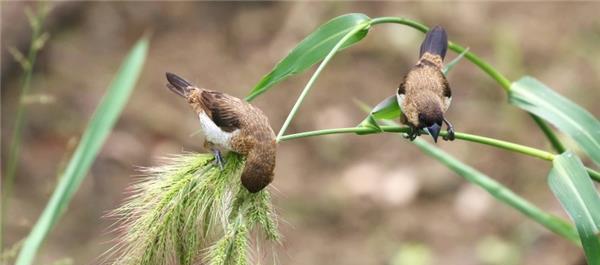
[487, 68]
[518, 148]
[314, 77]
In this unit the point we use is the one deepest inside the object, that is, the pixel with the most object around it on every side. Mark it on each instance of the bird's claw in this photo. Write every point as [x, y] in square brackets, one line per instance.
[412, 134]
[450, 135]
[218, 159]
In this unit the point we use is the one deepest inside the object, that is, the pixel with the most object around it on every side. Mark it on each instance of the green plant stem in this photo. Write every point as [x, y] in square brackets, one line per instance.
[513, 147]
[504, 82]
[533, 152]
[595, 175]
[526, 150]
[500, 192]
[554, 141]
[15, 144]
[314, 77]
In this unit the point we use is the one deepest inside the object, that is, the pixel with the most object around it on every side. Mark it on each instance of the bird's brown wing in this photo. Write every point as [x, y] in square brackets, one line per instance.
[222, 109]
[447, 93]
[446, 88]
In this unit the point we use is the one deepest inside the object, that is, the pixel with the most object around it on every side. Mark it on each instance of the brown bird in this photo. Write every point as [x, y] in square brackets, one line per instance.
[424, 95]
[231, 124]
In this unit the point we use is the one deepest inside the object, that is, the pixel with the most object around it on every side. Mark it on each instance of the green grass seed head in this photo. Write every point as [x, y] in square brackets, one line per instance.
[189, 210]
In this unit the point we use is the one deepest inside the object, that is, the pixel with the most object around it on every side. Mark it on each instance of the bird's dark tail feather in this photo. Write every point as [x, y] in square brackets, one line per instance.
[178, 85]
[436, 42]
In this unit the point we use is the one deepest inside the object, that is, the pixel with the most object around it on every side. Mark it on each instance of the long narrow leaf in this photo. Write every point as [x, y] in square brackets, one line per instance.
[312, 50]
[500, 192]
[575, 191]
[533, 96]
[92, 140]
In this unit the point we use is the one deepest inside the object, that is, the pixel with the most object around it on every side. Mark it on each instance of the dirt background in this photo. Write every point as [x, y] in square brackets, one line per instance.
[344, 199]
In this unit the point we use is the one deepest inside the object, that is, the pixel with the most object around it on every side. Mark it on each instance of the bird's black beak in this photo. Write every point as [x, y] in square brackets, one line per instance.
[434, 131]
[178, 85]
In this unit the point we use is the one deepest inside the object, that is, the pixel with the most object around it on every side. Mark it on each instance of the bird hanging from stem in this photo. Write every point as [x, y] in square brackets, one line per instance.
[424, 95]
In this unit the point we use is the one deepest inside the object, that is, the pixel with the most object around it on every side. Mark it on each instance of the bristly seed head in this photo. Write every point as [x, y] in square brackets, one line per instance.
[190, 211]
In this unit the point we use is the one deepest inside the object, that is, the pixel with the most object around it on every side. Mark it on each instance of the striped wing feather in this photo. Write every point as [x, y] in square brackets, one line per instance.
[221, 108]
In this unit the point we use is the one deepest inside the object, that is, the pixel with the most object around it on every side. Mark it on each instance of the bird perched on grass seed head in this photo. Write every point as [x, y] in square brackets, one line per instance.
[231, 124]
[424, 95]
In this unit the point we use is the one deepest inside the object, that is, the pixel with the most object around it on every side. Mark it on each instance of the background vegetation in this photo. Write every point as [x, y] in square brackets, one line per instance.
[331, 198]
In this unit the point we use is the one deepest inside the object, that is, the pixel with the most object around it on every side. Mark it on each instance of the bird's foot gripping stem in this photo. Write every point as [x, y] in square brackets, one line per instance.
[412, 133]
[450, 135]
[219, 161]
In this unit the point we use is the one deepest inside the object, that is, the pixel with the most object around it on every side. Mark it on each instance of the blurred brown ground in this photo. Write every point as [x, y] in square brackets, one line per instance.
[344, 199]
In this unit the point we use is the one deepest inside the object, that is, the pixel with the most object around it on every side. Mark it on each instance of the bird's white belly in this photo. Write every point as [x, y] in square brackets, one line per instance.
[213, 134]
[400, 99]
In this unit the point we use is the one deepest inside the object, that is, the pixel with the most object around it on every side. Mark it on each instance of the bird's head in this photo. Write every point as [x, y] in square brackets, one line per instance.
[431, 118]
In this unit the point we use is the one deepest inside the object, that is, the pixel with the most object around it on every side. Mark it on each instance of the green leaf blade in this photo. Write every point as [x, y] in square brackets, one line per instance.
[93, 138]
[533, 96]
[570, 183]
[448, 67]
[313, 49]
[499, 191]
[387, 109]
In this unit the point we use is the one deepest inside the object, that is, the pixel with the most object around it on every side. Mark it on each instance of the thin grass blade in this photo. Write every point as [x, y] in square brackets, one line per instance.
[533, 96]
[312, 49]
[577, 194]
[448, 67]
[500, 192]
[92, 140]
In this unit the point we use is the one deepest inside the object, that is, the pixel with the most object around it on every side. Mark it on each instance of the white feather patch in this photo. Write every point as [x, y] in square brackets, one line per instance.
[447, 101]
[400, 98]
[213, 134]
